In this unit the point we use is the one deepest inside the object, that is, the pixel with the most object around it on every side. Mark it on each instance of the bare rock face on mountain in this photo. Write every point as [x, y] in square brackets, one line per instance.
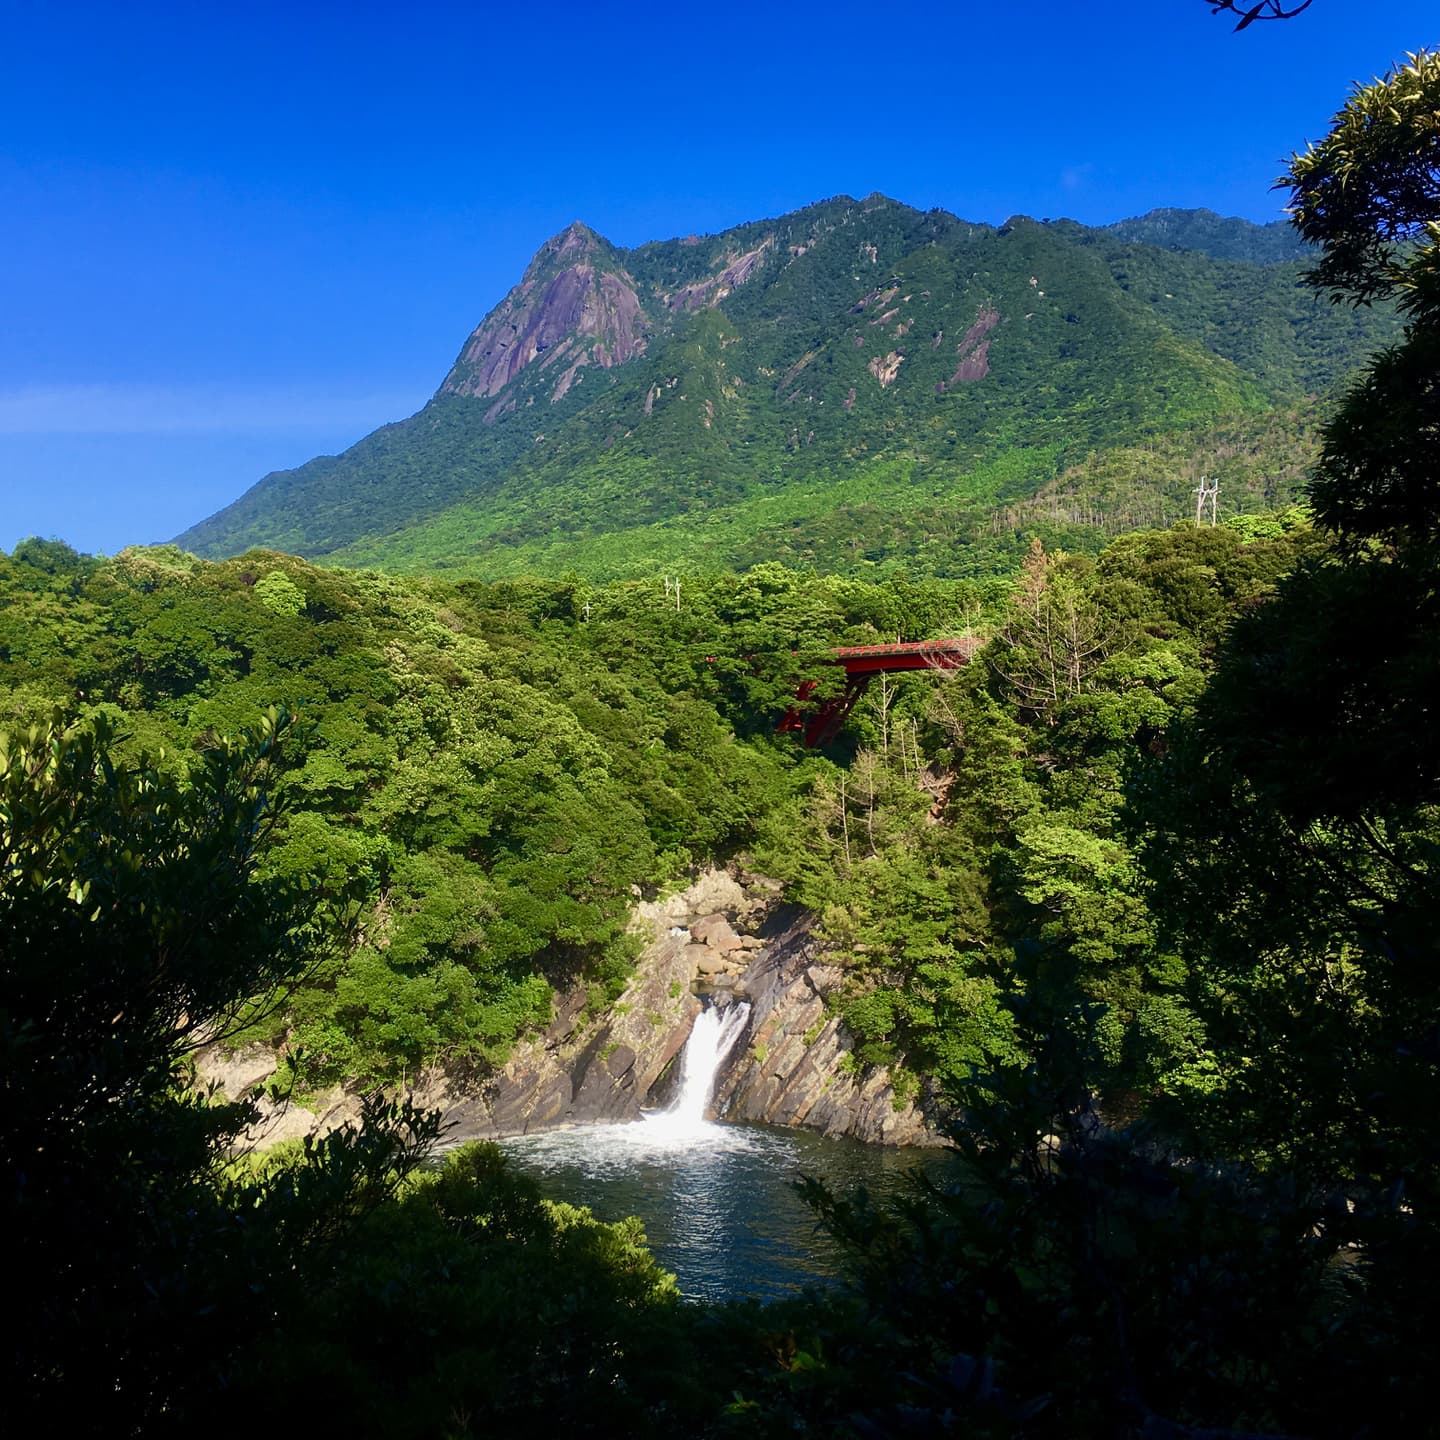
[973, 350]
[735, 269]
[576, 306]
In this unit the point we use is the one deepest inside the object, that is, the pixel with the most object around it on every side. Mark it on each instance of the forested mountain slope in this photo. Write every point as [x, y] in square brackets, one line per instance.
[492, 767]
[855, 383]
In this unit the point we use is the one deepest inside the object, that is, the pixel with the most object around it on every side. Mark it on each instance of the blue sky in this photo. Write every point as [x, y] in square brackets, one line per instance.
[235, 237]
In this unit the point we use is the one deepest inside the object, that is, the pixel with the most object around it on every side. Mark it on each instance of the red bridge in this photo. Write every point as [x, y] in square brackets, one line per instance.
[861, 663]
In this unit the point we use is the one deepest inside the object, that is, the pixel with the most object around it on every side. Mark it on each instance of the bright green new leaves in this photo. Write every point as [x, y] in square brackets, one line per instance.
[279, 593]
[1083, 889]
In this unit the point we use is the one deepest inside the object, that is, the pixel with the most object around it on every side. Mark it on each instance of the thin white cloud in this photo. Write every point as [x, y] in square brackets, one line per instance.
[211, 408]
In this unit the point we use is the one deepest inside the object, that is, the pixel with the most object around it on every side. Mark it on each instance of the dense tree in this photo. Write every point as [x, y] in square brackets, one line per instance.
[1368, 195]
[471, 1306]
[134, 926]
[1261, 1253]
[1296, 820]
[1302, 863]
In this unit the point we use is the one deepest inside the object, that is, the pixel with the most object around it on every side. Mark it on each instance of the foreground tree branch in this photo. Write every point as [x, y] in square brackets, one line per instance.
[1248, 14]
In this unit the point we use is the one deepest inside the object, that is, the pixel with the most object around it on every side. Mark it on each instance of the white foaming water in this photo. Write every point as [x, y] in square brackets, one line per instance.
[662, 1135]
[712, 1037]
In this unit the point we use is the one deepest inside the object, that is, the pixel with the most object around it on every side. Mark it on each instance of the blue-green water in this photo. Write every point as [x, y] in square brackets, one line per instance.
[717, 1201]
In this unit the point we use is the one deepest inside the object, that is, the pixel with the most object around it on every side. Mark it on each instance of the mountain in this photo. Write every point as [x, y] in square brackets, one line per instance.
[856, 383]
[1219, 236]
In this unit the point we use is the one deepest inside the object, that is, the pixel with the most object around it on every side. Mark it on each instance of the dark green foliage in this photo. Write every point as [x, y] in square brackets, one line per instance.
[1378, 476]
[1221, 237]
[1076, 1283]
[1147, 891]
[492, 771]
[134, 925]
[496, 770]
[1367, 195]
[1258, 1256]
[976, 861]
[514, 1317]
[1296, 825]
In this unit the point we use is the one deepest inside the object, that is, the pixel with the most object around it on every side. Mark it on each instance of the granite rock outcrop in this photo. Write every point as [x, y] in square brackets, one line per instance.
[725, 938]
[575, 306]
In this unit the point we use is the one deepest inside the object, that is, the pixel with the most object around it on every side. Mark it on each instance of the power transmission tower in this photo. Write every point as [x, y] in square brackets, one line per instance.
[1206, 493]
[672, 587]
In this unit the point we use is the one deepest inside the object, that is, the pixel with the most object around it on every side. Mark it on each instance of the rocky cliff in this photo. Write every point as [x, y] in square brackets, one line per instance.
[794, 1070]
[716, 942]
[575, 306]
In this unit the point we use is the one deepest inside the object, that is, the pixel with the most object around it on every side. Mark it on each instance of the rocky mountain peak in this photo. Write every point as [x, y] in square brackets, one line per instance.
[576, 306]
[575, 242]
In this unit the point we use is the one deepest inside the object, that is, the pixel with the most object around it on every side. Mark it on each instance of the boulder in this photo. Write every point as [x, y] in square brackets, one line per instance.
[237, 1072]
[709, 962]
[714, 890]
[710, 892]
[286, 1120]
[715, 931]
[763, 882]
[824, 978]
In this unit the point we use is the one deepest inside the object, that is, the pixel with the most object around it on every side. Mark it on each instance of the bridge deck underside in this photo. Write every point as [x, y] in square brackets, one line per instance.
[861, 663]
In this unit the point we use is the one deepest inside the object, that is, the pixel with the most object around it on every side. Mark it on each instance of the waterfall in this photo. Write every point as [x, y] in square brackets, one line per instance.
[711, 1039]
